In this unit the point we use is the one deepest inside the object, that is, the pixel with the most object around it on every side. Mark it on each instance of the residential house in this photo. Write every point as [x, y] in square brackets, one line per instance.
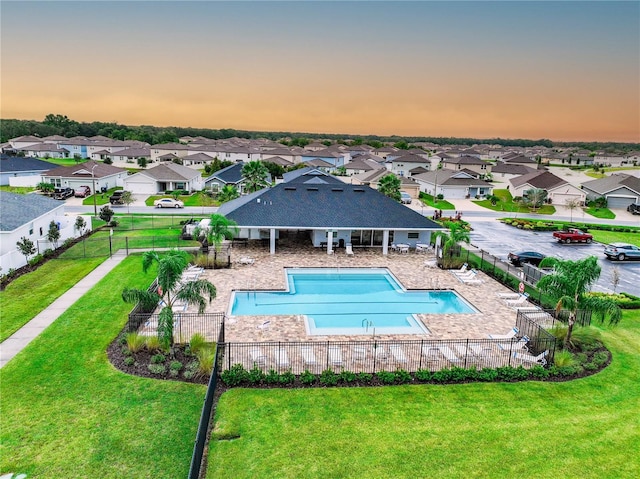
[505, 171]
[334, 158]
[93, 174]
[44, 150]
[197, 160]
[465, 162]
[231, 175]
[362, 164]
[453, 184]
[620, 190]
[164, 177]
[16, 171]
[558, 190]
[130, 155]
[23, 141]
[372, 179]
[403, 164]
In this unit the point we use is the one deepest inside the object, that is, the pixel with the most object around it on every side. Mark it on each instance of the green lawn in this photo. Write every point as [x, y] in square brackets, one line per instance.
[607, 237]
[196, 199]
[21, 190]
[29, 294]
[101, 198]
[437, 204]
[506, 204]
[66, 412]
[600, 213]
[585, 428]
[64, 161]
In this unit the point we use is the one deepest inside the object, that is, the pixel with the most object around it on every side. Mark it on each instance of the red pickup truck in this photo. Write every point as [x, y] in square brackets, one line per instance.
[573, 235]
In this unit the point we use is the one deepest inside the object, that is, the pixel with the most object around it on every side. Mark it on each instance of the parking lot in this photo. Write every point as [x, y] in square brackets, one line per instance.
[499, 239]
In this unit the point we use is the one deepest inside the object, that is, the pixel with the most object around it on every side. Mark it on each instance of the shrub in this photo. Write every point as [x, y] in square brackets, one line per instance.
[255, 375]
[487, 374]
[135, 342]
[48, 253]
[287, 377]
[206, 360]
[539, 372]
[564, 359]
[423, 375]
[403, 377]
[173, 373]
[328, 378]
[152, 343]
[582, 338]
[197, 342]
[442, 376]
[600, 358]
[129, 361]
[233, 376]
[188, 374]
[347, 377]
[158, 358]
[175, 366]
[460, 374]
[272, 377]
[157, 368]
[307, 377]
[364, 378]
[386, 377]
[36, 260]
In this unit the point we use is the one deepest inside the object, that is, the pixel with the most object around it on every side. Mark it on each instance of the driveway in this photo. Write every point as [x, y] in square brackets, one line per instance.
[499, 239]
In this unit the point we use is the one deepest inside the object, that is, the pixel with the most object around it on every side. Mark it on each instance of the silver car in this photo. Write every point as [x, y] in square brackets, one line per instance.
[622, 251]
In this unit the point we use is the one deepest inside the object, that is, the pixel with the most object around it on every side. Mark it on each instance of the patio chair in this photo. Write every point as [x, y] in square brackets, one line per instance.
[462, 269]
[467, 274]
[431, 353]
[359, 353]
[472, 280]
[519, 301]
[398, 353]
[509, 335]
[431, 263]
[529, 358]
[335, 355]
[264, 326]
[380, 352]
[349, 249]
[257, 357]
[282, 358]
[508, 296]
[520, 344]
[308, 355]
[246, 260]
[448, 353]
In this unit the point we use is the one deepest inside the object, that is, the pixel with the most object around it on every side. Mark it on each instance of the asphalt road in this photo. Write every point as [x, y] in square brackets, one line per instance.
[499, 239]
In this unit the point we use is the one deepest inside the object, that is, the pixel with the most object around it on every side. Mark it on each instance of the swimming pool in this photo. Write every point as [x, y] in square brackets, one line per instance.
[349, 301]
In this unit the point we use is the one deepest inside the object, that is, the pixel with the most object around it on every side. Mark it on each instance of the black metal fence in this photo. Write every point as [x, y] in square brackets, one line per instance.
[146, 222]
[374, 356]
[204, 426]
[534, 325]
[185, 325]
[102, 246]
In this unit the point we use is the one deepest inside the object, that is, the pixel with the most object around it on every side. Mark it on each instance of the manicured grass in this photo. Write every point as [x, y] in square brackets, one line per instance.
[101, 198]
[585, 428]
[437, 204]
[29, 294]
[21, 190]
[64, 161]
[506, 204]
[607, 237]
[68, 413]
[600, 213]
[196, 199]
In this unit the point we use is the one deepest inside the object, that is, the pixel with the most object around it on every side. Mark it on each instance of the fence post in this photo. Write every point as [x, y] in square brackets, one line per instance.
[84, 247]
[375, 347]
[126, 243]
[327, 355]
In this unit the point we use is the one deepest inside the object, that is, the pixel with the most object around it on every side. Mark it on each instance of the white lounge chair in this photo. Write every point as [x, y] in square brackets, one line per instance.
[519, 301]
[398, 353]
[257, 357]
[473, 280]
[509, 335]
[308, 355]
[431, 354]
[431, 263]
[282, 358]
[335, 355]
[462, 269]
[508, 296]
[246, 260]
[520, 344]
[448, 353]
[264, 326]
[359, 353]
[529, 358]
[349, 249]
[381, 353]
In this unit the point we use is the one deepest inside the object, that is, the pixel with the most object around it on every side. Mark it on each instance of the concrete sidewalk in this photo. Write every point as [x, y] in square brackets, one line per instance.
[21, 338]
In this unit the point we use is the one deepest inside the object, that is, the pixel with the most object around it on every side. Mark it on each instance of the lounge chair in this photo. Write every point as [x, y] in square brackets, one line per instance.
[359, 353]
[528, 308]
[529, 358]
[508, 296]
[257, 357]
[308, 355]
[282, 358]
[264, 326]
[381, 353]
[522, 342]
[509, 335]
[398, 353]
[449, 354]
[473, 280]
[519, 301]
[246, 260]
[335, 355]
[349, 249]
[431, 353]
[462, 269]
[431, 263]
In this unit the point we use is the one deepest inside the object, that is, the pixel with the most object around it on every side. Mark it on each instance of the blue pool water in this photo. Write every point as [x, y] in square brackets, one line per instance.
[349, 301]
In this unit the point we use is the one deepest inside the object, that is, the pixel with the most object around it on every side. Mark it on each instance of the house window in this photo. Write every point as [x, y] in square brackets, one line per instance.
[31, 231]
[413, 235]
[41, 232]
[180, 186]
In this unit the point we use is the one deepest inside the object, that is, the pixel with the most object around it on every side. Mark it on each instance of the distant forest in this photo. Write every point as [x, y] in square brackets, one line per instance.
[55, 124]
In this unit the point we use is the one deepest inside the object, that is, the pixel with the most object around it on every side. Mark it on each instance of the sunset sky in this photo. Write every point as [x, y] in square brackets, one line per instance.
[557, 70]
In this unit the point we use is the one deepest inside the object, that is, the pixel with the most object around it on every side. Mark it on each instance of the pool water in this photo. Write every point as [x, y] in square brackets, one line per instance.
[349, 301]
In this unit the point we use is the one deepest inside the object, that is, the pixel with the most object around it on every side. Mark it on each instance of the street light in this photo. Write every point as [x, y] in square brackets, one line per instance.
[93, 180]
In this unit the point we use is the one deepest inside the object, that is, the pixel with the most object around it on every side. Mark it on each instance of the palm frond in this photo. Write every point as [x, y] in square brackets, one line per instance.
[147, 299]
[194, 293]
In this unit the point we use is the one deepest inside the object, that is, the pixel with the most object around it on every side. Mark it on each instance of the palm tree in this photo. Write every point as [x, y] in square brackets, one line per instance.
[171, 289]
[568, 284]
[227, 193]
[220, 228]
[255, 176]
[389, 185]
[456, 235]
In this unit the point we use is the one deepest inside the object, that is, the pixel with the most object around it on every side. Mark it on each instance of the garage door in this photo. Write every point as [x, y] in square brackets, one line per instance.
[140, 188]
[619, 202]
[561, 200]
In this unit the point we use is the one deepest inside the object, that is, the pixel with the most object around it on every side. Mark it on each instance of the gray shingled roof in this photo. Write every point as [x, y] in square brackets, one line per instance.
[303, 206]
[83, 170]
[542, 180]
[230, 175]
[17, 210]
[613, 182]
[170, 172]
[16, 164]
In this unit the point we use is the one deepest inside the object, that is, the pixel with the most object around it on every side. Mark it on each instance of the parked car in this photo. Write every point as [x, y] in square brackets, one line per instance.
[116, 197]
[62, 193]
[573, 235]
[531, 257]
[405, 198]
[622, 251]
[634, 208]
[168, 203]
[82, 191]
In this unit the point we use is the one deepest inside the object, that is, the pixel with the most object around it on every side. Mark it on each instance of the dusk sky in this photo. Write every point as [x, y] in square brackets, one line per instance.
[558, 70]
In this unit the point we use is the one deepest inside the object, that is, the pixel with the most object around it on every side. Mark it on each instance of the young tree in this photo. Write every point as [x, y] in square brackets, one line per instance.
[389, 185]
[46, 188]
[255, 176]
[171, 290]
[535, 197]
[220, 229]
[142, 162]
[128, 199]
[227, 193]
[456, 235]
[572, 204]
[569, 284]
[26, 247]
[615, 278]
[53, 235]
[106, 214]
[80, 224]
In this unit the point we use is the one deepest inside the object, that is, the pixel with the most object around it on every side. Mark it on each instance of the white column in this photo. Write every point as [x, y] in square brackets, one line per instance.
[385, 242]
[272, 241]
[330, 242]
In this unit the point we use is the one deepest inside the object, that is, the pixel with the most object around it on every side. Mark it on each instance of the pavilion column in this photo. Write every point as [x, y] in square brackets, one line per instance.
[272, 241]
[330, 242]
[385, 242]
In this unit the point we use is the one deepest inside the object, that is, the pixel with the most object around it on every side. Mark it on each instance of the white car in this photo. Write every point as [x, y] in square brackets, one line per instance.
[168, 203]
[405, 198]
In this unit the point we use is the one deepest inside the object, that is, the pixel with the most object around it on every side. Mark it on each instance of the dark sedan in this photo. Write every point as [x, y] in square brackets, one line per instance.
[531, 257]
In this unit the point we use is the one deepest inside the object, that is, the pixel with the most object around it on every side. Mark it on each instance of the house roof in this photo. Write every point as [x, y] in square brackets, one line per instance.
[465, 160]
[323, 206]
[518, 159]
[18, 210]
[44, 147]
[512, 169]
[132, 152]
[543, 180]
[310, 175]
[83, 170]
[229, 175]
[319, 163]
[362, 163]
[410, 158]
[169, 172]
[449, 178]
[277, 160]
[326, 153]
[613, 182]
[16, 164]
[198, 157]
